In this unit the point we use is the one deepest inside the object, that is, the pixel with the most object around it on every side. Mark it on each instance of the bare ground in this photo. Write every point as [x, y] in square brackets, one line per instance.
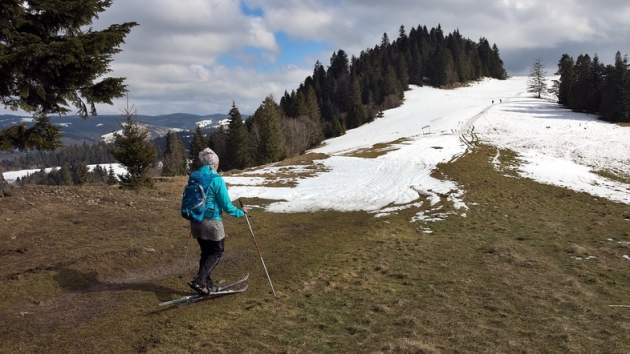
[84, 268]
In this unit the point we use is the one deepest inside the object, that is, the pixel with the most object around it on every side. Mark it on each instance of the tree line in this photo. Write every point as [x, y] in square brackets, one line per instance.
[587, 85]
[98, 153]
[71, 174]
[348, 93]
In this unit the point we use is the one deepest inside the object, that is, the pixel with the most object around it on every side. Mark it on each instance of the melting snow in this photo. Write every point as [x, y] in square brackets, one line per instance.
[398, 179]
[560, 147]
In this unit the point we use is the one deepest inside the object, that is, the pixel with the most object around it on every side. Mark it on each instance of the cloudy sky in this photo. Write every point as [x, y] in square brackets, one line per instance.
[197, 56]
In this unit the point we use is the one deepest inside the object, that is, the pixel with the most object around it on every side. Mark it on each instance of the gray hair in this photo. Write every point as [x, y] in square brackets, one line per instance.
[209, 157]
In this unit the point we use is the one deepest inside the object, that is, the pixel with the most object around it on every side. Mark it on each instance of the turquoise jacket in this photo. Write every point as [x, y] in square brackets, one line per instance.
[217, 197]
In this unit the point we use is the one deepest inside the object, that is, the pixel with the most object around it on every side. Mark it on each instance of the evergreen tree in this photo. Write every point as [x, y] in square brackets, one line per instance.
[5, 189]
[536, 83]
[594, 96]
[613, 107]
[217, 141]
[51, 59]
[385, 40]
[237, 141]
[357, 114]
[79, 173]
[267, 120]
[314, 114]
[403, 74]
[134, 151]
[111, 176]
[583, 85]
[566, 70]
[496, 64]
[175, 163]
[66, 175]
[391, 85]
[198, 143]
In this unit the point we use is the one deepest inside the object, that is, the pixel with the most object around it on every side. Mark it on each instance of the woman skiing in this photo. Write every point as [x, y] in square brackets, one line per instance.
[210, 233]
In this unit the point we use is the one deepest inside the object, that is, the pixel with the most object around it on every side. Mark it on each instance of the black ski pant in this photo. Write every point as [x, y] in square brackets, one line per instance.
[211, 253]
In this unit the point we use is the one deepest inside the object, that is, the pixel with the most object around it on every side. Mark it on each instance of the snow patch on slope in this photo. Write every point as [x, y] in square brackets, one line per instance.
[429, 120]
[561, 147]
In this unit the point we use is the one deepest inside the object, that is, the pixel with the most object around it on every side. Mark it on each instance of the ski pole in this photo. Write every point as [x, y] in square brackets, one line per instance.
[251, 231]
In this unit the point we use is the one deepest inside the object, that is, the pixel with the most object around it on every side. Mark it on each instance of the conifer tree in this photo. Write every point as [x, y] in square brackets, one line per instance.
[217, 141]
[385, 40]
[134, 151]
[583, 85]
[357, 114]
[51, 59]
[198, 143]
[536, 83]
[314, 114]
[594, 95]
[5, 189]
[80, 173]
[111, 176]
[66, 175]
[175, 163]
[613, 106]
[267, 120]
[567, 78]
[237, 141]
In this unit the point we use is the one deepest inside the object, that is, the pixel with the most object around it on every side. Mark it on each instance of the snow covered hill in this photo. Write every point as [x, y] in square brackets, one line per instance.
[561, 147]
[386, 166]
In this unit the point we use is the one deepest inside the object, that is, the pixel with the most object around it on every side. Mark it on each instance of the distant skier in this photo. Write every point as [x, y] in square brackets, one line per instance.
[210, 233]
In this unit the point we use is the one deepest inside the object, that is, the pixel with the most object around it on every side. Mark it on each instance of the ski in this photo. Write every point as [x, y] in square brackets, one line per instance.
[235, 287]
[235, 283]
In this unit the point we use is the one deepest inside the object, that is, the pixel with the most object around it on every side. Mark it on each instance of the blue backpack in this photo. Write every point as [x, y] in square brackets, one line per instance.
[194, 201]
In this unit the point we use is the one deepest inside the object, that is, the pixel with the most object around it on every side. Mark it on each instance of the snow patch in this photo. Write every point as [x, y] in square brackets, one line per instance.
[560, 147]
[401, 177]
[245, 181]
[12, 176]
[110, 137]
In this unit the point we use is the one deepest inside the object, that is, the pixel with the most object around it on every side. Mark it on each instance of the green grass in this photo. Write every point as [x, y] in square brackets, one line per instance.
[505, 278]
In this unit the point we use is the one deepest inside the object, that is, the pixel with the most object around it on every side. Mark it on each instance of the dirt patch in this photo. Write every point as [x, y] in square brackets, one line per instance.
[286, 173]
[377, 150]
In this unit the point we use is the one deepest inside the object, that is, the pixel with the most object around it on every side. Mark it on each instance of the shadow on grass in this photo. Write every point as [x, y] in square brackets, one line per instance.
[79, 282]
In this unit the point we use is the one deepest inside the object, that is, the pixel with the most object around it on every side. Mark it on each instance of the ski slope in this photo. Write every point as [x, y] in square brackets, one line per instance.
[430, 122]
[556, 146]
[560, 147]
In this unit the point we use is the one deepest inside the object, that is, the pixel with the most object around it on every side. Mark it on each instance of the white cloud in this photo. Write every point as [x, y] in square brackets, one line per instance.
[172, 61]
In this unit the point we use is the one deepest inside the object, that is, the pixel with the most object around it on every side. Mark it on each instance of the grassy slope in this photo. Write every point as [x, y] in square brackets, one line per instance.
[503, 279]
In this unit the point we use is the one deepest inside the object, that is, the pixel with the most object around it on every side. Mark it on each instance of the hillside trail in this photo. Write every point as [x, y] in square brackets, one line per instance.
[466, 130]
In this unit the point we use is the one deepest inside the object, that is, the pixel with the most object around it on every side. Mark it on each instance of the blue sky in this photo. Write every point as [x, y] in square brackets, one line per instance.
[291, 52]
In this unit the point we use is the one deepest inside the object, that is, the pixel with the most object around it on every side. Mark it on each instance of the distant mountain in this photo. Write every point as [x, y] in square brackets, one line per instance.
[90, 130]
